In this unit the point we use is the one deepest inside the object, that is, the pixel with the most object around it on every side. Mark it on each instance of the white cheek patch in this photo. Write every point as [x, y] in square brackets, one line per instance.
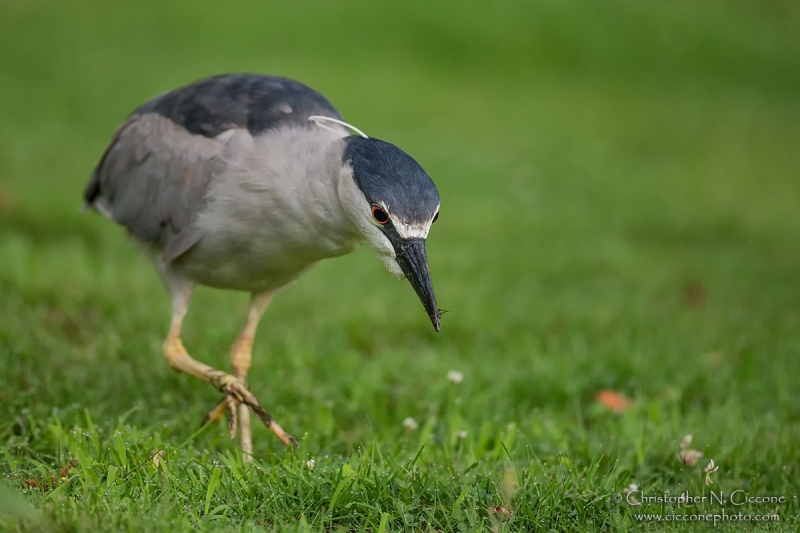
[392, 266]
[378, 241]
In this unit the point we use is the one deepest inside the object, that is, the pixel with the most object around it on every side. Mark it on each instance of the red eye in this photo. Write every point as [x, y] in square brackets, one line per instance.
[380, 216]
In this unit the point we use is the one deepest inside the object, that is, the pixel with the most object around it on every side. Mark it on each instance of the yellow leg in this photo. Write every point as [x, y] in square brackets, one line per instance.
[241, 355]
[233, 387]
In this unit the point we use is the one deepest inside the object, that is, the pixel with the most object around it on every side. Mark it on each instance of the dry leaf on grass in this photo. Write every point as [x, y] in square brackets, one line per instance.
[613, 400]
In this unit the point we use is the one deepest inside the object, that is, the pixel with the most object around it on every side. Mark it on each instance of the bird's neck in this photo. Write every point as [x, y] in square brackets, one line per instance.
[331, 216]
[279, 198]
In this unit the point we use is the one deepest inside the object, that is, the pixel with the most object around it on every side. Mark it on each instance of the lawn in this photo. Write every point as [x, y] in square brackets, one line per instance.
[620, 188]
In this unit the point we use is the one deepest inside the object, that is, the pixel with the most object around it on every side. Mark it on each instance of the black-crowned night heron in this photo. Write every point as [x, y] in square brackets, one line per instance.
[244, 182]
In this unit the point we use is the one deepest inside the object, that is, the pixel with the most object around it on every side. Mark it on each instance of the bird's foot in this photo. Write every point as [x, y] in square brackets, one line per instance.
[236, 392]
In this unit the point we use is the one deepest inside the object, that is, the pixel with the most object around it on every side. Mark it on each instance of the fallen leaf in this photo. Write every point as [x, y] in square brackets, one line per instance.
[67, 467]
[503, 513]
[155, 455]
[614, 401]
[694, 294]
[7, 201]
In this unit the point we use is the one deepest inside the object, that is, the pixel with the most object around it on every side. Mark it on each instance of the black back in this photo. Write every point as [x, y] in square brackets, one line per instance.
[213, 105]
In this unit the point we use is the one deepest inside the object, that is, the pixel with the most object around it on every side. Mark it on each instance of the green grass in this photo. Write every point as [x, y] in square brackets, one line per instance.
[621, 210]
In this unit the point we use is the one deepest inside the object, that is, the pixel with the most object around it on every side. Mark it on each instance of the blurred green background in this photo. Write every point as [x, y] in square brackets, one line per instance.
[620, 188]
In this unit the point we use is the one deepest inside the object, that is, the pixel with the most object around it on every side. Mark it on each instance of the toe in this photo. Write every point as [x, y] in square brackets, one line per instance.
[216, 413]
[236, 392]
[231, 405]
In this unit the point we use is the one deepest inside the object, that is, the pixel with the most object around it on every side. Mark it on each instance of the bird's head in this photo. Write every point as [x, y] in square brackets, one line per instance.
[392, 202]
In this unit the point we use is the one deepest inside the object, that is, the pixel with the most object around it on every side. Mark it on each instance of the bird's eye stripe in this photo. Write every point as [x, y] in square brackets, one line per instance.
[380, 216]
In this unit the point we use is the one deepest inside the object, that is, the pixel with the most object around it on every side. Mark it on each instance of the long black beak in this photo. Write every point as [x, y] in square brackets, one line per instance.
[413, 259]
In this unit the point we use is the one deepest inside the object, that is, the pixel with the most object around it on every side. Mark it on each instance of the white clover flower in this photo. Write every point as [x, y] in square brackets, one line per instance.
[632, 488]
[454, 376]
[710, 469]
[410, 424]
[461, 434]
[690, 457]
[687, 455]
[310, 464]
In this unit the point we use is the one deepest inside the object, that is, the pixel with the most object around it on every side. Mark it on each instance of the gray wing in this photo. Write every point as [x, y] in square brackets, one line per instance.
[152, 179]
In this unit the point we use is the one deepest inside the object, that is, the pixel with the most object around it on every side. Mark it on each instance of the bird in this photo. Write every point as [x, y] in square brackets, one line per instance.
[245, 181]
